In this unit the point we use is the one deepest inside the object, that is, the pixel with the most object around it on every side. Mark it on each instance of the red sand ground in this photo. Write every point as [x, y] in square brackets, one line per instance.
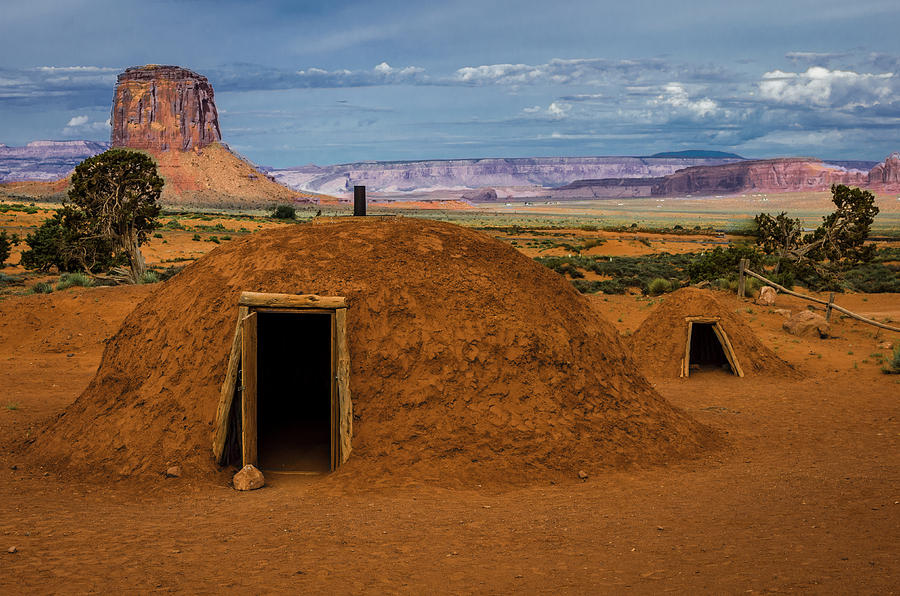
[802, 498]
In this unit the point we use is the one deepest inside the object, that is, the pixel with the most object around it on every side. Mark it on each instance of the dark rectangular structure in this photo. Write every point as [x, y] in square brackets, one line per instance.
[359, 200]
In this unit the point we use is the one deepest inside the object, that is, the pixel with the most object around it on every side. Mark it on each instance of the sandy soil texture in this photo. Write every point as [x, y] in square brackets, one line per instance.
[802, 497]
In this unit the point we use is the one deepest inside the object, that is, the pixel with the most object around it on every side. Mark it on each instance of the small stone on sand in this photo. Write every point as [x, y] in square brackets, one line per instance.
[248, 478]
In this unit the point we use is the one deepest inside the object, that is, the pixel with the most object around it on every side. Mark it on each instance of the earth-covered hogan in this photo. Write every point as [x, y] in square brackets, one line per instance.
[658, 345]
[468, 360]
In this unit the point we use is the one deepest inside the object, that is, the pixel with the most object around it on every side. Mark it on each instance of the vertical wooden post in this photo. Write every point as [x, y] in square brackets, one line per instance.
[359, 200]
[828, 306]
[226, 395]
[342, 372]
[741, 278]
[248, 395]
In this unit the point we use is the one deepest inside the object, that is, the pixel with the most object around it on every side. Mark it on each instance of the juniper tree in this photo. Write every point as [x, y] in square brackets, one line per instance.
[118, 193]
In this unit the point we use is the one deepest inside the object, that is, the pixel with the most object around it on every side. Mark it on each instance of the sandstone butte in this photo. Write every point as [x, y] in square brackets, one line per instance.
[777, 175]
[170, 113]
[164, 107]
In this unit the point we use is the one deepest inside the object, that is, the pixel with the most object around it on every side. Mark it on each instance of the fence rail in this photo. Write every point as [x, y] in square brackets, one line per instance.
[829, 304]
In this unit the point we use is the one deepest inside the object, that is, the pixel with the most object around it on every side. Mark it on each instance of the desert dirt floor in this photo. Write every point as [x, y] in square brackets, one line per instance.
[804, 497]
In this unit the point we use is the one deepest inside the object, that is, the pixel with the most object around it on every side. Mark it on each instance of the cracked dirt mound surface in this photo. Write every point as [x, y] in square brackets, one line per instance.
[658, 344]
[468, 361]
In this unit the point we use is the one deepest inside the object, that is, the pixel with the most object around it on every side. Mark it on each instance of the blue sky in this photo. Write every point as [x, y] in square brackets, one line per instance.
[329, 82]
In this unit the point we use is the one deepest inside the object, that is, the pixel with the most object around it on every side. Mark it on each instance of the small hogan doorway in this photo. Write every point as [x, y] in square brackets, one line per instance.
[285, 402]
[707, 346]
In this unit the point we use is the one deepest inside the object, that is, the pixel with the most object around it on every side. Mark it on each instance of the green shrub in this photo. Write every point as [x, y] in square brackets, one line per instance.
[723, 262]
[196, 238]
[213, 239]
[149, 277]
[6, 244]
[67, 280]
[42, 287]
[284, 212]
[892, 366]
[174, 224]
[157, 235]
[658, 286]
[68, 242]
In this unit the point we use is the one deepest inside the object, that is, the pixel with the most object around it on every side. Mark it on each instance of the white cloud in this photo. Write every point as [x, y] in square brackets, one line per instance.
[676, 96]
[79, 125]
[821, 87]
[586, 71]
[382, 74]
[558, 109]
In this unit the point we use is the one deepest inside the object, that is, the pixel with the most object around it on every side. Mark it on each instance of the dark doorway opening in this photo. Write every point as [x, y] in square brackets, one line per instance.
[294, 391]
[706, 349]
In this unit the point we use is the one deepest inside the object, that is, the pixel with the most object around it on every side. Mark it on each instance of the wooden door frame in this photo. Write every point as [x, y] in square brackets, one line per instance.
[724, 341]
[243, 358]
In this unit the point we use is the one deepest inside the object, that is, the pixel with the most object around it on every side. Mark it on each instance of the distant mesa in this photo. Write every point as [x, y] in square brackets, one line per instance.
[777, 175]
[698, 154]
[162, 108]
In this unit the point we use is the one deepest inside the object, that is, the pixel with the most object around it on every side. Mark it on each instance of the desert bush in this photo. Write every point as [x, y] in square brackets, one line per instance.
[723, 262]
[149, 277]
[873, 277]
[6, 244]
[213, 239]
[174, 224]
[157, 235]
[196, 238]
[658, 286]
[892, 365]
[67, 280]
[66, 242]
[42, 287]
[284, 212]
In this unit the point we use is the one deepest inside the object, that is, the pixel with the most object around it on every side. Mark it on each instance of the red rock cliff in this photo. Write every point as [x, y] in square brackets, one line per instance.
[163, 108]
[764, 175]
[886, 174]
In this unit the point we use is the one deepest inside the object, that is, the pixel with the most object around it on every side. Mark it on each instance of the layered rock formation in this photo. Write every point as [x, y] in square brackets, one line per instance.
[764, 175]
[606, 188]
[464, 174]
[45, 160]
[887, 173]
[162, 108]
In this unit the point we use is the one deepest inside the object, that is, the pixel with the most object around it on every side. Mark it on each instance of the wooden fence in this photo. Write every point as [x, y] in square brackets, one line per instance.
[829, 304]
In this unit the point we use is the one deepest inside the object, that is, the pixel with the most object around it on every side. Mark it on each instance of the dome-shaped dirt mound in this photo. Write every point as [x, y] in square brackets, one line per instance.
[467, 359]
[658, 344]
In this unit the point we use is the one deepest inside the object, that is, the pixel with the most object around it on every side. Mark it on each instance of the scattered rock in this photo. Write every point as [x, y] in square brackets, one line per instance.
[481, 195]
[173, 472]
[248, 478]
[582, 474]
[886, 345]
[12, 550]
[807, 324]
[14, 467]
[783, 312]
[766, 296]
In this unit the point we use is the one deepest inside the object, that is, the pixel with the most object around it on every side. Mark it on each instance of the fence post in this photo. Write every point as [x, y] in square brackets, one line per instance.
[741, 278]
[828, 306]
